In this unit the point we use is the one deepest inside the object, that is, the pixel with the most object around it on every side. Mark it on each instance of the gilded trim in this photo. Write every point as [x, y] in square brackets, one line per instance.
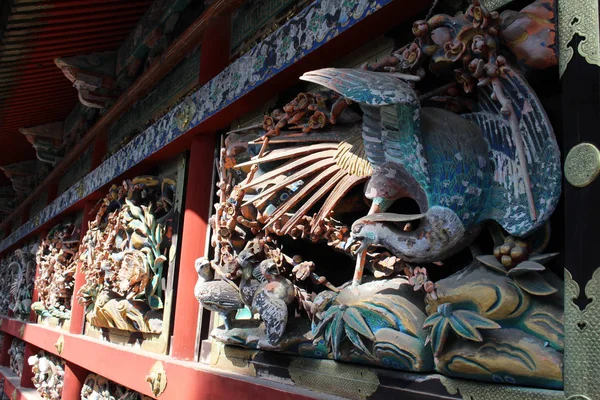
[578, 17]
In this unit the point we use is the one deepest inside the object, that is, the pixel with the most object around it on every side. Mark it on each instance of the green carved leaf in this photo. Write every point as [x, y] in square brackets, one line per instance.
[476, 320]
[533, 283]
[381, 312]
[158, 263]
[439, 334]
[492, 263]
[461, 325]
[135, 211]
[155, 302]
[526, 266]
[337, 333]
[327, 317]
[356, 340]
[138, 226]
[158, 235]
[432, 320]
[355, 320]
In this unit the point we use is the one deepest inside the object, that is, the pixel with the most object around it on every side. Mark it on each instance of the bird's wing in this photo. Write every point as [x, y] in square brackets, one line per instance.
[273, 312]
[518, 207]
[391, 121]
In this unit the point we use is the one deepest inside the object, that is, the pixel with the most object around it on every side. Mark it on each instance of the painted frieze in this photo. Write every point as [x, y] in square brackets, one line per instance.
[56, 265]
[48, 375]
[398, 215]
[125, 256]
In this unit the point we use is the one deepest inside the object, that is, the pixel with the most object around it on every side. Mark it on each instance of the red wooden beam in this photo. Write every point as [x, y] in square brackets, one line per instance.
[129, 367]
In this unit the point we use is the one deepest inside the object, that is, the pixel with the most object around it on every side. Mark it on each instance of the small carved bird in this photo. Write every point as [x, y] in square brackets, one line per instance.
[216, 295]
[272, 299]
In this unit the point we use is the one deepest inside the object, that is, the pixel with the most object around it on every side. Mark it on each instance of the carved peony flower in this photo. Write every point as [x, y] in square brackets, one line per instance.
[302, 101]
[412, 54]
[317, 120]
[133, 274]
[479, 16]
[454, 49]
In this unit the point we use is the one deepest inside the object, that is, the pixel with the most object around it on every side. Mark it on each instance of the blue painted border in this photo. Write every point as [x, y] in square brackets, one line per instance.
[310, 29]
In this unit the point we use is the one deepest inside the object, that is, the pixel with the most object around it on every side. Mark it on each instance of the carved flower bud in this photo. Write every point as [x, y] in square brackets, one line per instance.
[412, 54]
[479, 45]
[507, 261]
[317, 120]
[268, 123]
[500, 61]
[519, 254]
[492, 71]
[302, 101]
[506, 248]
[420, 28]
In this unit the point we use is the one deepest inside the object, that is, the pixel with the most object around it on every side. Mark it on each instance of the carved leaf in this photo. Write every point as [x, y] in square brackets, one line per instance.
[492, 263]
[328, 316]
[526, 266]
[439, 334]
[355, 320]
[542, 258]
[135, 211]
[155, 302]
[462, 326]
[356, 340]
[337, 333]
[533, 283]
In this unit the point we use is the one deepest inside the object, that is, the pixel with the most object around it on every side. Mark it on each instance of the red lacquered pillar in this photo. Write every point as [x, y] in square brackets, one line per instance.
[195, 226]
[73, 382]
[77, 310]
[213, 59]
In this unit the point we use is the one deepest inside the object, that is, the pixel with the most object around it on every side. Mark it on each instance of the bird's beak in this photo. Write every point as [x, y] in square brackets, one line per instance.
[350, 242]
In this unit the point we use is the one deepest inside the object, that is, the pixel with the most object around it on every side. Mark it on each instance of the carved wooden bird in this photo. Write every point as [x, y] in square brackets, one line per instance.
[216, 295]
[272, 299]
[460, 170]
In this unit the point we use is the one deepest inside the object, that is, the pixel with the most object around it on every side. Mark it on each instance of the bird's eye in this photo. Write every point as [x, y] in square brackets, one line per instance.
[356, 228]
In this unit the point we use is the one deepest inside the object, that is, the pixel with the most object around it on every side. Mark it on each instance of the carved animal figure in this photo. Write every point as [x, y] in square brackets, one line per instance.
[460, 173]
[216, 295]
[272, 299]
